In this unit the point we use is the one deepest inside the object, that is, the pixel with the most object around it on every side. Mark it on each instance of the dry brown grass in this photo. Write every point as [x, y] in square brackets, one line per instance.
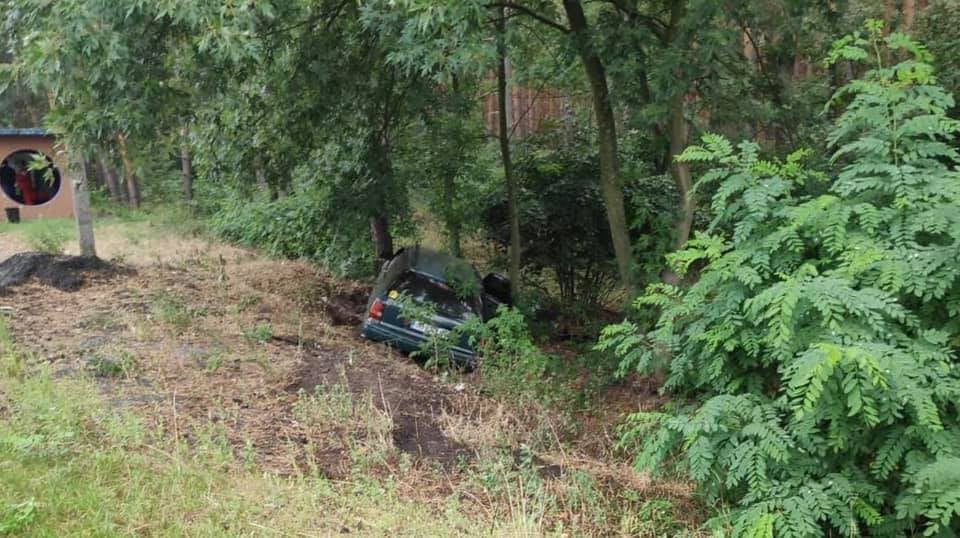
[183, 321]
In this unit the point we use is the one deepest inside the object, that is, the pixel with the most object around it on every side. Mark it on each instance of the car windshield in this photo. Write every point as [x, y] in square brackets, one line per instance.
[425, 290]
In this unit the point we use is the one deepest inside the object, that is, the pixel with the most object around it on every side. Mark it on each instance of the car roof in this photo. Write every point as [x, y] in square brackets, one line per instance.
[430, 262]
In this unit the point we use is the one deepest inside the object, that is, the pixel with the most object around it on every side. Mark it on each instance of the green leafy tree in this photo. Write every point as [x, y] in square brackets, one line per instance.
[938, 27]
[446, 157]
[322, 115]
[453, 42]
[820, 344]
[106, 66]
[457, 29]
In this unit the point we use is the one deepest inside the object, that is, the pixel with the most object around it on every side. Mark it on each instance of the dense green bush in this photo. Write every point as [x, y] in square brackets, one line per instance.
[819, 347]
[563, 223]
[514, 365]
[301, 225]
[511, 363]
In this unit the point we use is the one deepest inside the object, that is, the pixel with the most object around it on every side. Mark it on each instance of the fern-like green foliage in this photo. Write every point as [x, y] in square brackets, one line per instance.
[820, 344]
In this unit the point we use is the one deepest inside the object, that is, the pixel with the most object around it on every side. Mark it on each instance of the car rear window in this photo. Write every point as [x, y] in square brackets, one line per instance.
[426, 290]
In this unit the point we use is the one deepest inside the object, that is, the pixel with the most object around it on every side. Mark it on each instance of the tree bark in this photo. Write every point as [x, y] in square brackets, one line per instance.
[94, 180]
[110, 178]
[109, 173]
[610, 184]
[133, 185]
[186, 164]
[382, 240]
[381, 167]
[451, 219]
[677, 133]
[909, 11]
[81, 210]
[504, 130]
[887, 15]
[260, 173]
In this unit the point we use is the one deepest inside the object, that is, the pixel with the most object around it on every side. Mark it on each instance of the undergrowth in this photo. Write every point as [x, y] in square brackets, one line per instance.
[47, 235]
[295, 226]
[514, 366]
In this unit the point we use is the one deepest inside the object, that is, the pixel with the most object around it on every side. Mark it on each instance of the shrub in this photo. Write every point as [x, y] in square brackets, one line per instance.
[820, 344]
[463, 278]
[48, 236]
[507, 348]
[300, 225]
[261, 333]
[563, 221]
[514, 366]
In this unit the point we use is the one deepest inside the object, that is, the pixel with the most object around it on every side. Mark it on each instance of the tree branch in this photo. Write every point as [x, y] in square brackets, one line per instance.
[655, 25]
[331, 17]
[756, 47]
[532, 14]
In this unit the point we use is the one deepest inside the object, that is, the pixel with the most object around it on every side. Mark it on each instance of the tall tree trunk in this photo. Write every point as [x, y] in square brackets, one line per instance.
[677, 133]
[382, 240]
[110, 178]
[133, 185]
[888, 15]
[610, 185]
[451, 218]
[260, 172]
[263, 182]
[81, 209]
[381, 167]
[504, 129]
[453, 221]
[186, 164]
[94, 180]
[909, 13]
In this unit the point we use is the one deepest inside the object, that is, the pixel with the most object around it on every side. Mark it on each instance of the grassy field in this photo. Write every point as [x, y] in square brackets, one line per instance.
[73, 467]
[158, 402]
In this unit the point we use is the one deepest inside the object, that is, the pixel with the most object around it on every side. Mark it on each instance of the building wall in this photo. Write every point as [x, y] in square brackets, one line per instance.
[530, 108]
[61, 206]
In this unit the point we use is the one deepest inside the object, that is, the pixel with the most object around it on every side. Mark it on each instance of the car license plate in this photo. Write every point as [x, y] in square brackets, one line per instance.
[428, 329]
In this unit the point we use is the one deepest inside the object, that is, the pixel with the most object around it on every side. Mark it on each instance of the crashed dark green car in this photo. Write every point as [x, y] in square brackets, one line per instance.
[436, 281]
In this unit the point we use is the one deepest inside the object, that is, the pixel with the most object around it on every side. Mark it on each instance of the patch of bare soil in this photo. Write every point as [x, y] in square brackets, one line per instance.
[341, 300]
[411, 397]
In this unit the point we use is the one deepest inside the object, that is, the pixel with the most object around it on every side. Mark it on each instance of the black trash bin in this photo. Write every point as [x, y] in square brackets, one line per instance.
[13, 214]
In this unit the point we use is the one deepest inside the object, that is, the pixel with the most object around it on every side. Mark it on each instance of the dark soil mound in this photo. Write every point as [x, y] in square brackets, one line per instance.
[62, 272]
[412, 398]
[421, 436]
[346, 307]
